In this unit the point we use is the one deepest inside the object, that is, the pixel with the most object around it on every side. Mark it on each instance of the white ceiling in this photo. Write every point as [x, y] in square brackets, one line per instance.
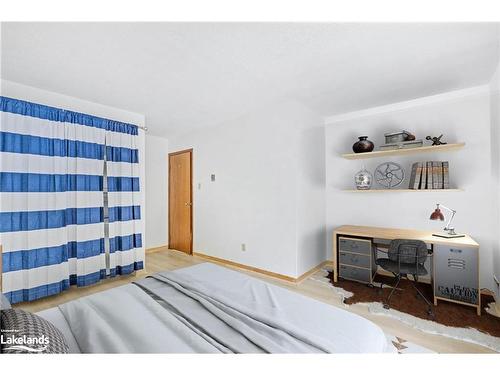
[184, 76]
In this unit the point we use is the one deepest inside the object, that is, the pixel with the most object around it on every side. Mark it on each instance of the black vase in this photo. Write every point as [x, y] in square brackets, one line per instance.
[363, 145]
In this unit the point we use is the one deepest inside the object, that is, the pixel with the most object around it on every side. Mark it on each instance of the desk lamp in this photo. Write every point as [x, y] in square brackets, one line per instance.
[438, 215]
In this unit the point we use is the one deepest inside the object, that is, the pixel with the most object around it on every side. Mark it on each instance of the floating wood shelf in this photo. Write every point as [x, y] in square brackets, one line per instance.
[402, 190]
[405, 151]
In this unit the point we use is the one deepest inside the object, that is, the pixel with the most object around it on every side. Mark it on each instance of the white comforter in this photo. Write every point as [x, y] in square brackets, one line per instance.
[127, 320]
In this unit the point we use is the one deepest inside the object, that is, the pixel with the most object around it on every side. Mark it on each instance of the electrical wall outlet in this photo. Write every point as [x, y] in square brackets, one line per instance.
[243, 247]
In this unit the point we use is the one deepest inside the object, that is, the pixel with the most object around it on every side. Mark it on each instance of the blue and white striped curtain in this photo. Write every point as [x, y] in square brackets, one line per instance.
[126, 251]
[51, 202]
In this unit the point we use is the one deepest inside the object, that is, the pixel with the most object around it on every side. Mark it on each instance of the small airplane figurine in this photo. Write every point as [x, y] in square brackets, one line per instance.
[436, 141]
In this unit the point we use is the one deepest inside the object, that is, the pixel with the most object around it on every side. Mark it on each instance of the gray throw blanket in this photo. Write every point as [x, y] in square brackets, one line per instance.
[230, 323]
[210, 309]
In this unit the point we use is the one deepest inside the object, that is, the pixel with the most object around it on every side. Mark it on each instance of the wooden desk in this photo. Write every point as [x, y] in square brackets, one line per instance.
[440, 247]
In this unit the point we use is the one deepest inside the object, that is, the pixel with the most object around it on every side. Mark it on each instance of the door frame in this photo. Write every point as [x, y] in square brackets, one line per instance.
[190, 151]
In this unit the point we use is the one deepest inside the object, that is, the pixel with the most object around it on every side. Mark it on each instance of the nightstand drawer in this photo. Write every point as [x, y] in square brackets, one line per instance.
[354, 259]
[357, 274]
[355, 246]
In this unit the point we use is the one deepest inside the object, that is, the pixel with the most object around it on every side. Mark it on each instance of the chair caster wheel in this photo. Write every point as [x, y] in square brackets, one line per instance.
[431, 314]
[369, 285]
[417, 295]
[386, 306]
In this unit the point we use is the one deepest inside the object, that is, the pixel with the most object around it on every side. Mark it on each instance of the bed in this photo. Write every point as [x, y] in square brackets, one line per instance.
[206, 308]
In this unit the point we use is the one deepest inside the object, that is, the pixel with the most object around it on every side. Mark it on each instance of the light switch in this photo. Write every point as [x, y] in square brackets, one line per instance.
[212, 177]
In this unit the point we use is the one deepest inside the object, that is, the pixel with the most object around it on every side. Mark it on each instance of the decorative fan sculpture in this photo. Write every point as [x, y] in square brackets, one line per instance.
[389, 174]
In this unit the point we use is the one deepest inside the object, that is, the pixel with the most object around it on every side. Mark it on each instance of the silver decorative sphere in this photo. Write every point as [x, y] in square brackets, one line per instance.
[363, 180]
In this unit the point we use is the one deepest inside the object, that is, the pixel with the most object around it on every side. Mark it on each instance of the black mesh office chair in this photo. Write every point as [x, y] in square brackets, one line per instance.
[406, 257]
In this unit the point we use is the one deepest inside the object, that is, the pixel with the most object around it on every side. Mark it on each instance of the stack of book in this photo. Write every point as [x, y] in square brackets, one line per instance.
[430, 175]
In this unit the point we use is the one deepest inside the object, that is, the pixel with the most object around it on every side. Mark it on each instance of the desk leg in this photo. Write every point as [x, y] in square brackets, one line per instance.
[478, 309]
[334, 246]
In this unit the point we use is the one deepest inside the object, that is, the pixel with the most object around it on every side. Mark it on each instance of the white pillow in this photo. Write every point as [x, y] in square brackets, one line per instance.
[4, 302]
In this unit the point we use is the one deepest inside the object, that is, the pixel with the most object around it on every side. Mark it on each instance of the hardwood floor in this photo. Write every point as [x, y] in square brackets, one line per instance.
[163, 259]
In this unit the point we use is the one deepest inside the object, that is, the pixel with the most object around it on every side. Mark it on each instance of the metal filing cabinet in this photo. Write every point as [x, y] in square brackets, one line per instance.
[356, 261]
[456, 275]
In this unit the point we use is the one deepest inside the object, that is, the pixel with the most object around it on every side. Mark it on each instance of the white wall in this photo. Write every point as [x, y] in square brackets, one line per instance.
[157, 191]
[255, 197]
[462, 116]
[495, 157]
[311, 208]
